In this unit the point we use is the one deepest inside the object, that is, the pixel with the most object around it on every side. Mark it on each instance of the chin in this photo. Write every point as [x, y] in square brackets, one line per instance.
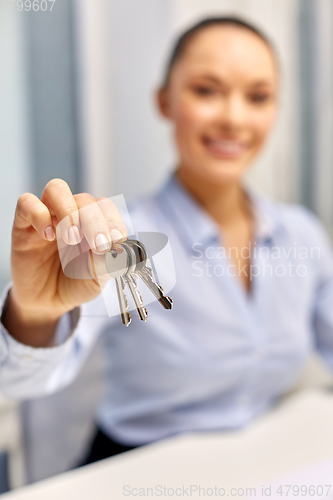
[223, 173]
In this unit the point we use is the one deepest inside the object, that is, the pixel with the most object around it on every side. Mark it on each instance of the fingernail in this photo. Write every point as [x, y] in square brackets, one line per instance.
[116, 235]
[49, 233]
[102, 243]
[73, 235]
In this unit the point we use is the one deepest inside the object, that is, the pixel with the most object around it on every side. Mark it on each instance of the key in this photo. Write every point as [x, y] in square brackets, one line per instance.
[146, 273]
[132, 285]
[117, 263]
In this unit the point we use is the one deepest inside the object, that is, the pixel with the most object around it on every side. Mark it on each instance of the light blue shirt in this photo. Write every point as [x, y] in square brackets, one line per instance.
[222, 356]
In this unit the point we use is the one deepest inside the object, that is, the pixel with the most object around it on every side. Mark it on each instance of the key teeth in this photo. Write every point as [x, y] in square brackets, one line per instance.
[151, 274]
[132, 286]
[157, 284]
[148, 271]
[125, 297]
[126, 302]
[123, 304]
[140, 297]
[135, 285]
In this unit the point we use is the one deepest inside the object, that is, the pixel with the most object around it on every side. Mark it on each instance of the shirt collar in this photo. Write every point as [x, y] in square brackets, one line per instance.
[195, 225]
[264, 212]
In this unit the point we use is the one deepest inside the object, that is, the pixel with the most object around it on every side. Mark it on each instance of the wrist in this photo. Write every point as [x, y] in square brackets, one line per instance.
[31, 327]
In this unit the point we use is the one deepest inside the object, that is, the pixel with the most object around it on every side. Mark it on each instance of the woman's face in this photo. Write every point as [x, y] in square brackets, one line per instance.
[222, 100]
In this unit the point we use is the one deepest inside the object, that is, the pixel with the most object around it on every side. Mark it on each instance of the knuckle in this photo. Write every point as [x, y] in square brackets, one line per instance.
[117, 220]
[109, 204]
[40, 213]
[22, 201]
[29, 207]
[95, 223]
[56, 184]
[84, 198]
[25, 204]
[81, 195]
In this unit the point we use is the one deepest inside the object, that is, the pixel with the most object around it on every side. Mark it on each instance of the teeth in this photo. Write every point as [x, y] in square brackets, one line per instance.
[227, 146]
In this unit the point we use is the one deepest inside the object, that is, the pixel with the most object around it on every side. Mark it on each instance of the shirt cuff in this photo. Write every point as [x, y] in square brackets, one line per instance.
[8, 344]
[66, 326]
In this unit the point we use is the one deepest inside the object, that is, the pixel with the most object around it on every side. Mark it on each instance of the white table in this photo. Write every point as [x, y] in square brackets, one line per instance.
[296, 434]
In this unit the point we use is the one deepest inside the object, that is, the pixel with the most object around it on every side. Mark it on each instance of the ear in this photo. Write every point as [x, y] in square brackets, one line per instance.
[162, 99]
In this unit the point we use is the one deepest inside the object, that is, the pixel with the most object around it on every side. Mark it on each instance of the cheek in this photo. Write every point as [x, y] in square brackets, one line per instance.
[261, 125]
[190, 117]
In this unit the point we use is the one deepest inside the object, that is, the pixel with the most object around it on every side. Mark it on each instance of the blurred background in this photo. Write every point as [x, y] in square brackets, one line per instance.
[77, 83]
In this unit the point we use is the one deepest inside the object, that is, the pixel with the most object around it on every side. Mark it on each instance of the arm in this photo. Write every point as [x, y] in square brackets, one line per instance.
[41, 309]
[323, 317]
[29, 372]
[323, 300]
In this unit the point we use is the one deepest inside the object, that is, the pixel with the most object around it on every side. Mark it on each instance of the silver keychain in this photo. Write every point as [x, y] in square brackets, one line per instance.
[132, 285]
[146, 273]
[125, 262]
[117, 263]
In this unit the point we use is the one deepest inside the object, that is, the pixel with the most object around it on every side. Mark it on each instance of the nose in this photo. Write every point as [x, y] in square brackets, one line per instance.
[234, 112]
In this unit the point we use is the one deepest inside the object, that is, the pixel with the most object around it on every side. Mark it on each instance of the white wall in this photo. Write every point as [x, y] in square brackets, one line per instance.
[14, 168]
[14, 156]
[121, 59]
[324, 166]
[95, 93]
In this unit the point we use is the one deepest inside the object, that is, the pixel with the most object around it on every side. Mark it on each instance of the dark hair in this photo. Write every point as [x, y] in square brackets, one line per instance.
[184, 39]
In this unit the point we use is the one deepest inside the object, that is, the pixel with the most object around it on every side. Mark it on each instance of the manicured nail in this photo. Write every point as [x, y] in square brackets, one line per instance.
[116, 235]
[73, 235]
[102, 243]
[49, 233]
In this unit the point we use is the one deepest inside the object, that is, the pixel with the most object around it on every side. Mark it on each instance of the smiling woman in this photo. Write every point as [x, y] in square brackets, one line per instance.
[244, 322]
[220, 90]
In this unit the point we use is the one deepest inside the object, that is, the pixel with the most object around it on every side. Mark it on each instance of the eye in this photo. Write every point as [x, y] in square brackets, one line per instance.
[259, 97]
[204, 90]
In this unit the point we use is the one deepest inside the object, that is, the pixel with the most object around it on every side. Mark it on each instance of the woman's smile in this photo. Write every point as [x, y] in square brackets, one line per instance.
[224, 147]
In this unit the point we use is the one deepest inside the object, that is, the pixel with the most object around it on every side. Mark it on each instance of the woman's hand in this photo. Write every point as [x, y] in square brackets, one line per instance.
[41, 292]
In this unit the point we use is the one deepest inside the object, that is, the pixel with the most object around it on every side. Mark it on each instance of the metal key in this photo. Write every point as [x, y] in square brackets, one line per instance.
[117, 263]
[132, 284]
[146, 273]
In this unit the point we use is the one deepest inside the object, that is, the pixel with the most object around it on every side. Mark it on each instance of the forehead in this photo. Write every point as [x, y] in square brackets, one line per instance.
[229, 50]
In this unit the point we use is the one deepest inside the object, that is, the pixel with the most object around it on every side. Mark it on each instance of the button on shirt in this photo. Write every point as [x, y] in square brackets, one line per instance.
[223, 355]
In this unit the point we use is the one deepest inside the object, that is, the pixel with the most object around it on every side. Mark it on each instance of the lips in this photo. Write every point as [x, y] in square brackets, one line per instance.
[225, 148]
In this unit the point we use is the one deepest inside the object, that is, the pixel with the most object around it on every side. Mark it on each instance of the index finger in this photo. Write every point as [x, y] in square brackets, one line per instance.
[59, 199]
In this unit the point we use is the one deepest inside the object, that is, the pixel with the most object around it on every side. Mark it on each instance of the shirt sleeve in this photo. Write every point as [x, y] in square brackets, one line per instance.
[323, 300]
[28, 372]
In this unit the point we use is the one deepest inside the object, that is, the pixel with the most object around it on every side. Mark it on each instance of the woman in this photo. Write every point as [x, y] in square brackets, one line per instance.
[243, 323]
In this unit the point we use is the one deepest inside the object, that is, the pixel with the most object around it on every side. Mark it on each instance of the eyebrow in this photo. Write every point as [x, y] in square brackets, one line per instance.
[259, 83]
[208, 77]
